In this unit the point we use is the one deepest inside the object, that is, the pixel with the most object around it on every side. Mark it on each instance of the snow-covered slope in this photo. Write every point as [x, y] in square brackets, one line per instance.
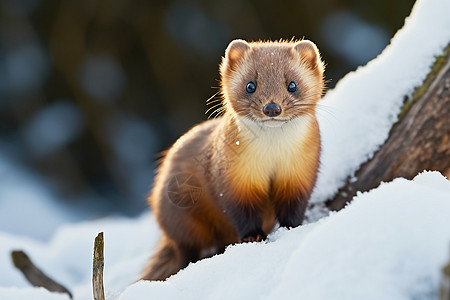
[357, 115]
[390, 243]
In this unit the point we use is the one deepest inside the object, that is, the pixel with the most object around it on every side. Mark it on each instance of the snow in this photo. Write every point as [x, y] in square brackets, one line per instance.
[356, 116]
[389, 243]
[68, 255]
[22, 197]
[30, 293]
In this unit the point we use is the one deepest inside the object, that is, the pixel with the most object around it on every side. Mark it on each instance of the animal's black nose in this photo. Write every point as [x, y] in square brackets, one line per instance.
[272, 110]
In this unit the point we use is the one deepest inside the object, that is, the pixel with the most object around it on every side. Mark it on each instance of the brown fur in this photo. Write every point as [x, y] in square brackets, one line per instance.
[232, 178]
[164, 262]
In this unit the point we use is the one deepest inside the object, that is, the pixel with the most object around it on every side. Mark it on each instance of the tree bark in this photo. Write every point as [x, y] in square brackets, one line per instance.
[419, 141]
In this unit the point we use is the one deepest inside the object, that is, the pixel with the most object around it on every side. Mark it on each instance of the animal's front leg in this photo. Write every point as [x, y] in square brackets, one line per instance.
[247, 221]
[291, 212]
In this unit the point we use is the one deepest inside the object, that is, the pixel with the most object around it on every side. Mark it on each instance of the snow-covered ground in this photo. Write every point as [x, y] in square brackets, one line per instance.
[389, 243]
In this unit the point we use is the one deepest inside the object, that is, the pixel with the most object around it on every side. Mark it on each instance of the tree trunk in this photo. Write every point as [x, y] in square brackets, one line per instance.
[420, 140]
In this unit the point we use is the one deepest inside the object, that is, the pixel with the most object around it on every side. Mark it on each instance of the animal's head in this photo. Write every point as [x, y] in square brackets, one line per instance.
[271, 82]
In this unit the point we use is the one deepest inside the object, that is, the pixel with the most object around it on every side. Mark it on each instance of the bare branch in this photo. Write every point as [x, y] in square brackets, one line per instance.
[34, 275]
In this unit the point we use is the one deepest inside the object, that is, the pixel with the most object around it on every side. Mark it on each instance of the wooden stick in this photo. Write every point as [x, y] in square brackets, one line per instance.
[35, 276]
[97, 268]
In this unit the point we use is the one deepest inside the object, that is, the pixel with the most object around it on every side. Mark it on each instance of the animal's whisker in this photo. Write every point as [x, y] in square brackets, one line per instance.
[210, 99]
[212, 107]
[218, 112]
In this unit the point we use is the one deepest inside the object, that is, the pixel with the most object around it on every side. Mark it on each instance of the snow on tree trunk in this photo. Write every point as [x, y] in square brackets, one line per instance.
[420, 140]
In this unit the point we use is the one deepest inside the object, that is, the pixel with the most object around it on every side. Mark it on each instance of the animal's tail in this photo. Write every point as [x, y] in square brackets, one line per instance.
[163, 263]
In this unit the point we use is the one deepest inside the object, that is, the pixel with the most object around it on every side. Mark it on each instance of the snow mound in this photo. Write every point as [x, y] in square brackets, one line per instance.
[355, 117]
[389, 243]
[68, 256]
[30, 293]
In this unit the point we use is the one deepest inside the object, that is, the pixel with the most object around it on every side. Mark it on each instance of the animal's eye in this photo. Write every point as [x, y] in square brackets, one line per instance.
[250, 87]
[292, 87]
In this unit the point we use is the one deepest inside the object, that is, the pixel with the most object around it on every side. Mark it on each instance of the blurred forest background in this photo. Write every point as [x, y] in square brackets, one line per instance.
[92, 90]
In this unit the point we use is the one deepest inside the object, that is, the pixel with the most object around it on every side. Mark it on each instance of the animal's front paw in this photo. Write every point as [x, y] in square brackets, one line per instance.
[251, 239]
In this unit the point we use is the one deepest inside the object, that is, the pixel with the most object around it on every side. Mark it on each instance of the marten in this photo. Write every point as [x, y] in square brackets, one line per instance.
[232, 178]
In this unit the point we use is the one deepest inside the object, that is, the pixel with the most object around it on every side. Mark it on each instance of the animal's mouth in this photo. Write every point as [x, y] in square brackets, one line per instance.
[274, 122]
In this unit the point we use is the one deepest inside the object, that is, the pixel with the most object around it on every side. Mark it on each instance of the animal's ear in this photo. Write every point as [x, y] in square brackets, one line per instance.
[235, 52]
[309, 53]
